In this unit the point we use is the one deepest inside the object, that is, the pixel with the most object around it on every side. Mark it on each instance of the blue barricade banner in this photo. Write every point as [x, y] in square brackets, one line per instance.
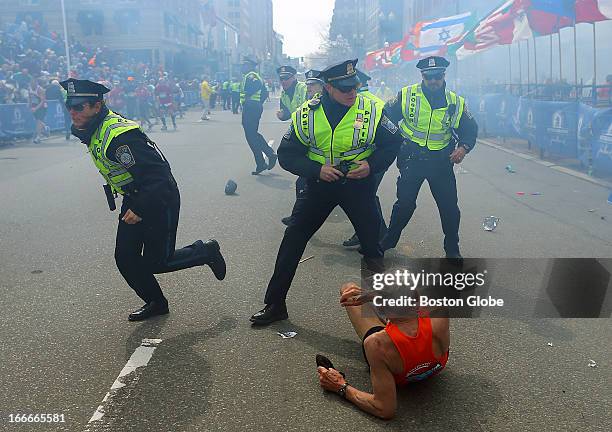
[602, 141]
[16, 120]
[559, 136]
[191, 98]
[586, 114]
[55, 115]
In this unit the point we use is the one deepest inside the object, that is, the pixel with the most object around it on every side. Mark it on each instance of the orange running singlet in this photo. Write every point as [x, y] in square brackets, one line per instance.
[416, 352]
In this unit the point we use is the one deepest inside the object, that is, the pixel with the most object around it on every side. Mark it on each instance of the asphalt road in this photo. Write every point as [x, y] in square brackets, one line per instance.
[65, 337]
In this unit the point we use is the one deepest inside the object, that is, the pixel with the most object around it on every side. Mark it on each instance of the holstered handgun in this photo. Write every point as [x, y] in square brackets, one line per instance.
[110, 197]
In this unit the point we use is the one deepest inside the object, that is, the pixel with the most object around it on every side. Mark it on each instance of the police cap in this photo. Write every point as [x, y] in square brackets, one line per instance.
[285, 72]
[80, 91]
[363, 77]
[342, 74]
[433, 64]
[312, 77]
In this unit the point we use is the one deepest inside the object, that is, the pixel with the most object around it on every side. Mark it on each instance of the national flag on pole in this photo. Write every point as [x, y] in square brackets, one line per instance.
[590, 11]
[505, 25]
[434, 37]
[384, 58]
[549, 16]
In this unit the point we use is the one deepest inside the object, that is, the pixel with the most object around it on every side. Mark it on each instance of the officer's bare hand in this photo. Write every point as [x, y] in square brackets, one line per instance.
[330, 174]
[279, 114]
[361, 172]
[458, 155]
[131, 218]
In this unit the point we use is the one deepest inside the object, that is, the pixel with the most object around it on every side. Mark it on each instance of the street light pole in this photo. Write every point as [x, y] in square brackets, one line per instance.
[66, 44]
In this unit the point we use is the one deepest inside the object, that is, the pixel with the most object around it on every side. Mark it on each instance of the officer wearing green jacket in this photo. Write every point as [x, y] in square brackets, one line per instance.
[253, 93]
[439, 132]
[293, 94]
[338, 142]
[235, 88]
[364, 90]
[133, 166]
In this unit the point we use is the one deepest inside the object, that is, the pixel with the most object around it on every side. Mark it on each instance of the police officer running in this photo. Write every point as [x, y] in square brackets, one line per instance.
[252, 96]
[338, 142]
[439, 132]
[134, 167]
[364, 90]
[293, 94]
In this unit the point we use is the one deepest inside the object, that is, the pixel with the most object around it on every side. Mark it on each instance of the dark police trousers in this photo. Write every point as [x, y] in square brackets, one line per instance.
[251, 114]
[358, 200]
[235, 102]
[147, 247]
[441, 178]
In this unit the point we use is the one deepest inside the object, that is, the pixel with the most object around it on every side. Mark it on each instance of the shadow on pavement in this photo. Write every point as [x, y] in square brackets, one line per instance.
[174, 388]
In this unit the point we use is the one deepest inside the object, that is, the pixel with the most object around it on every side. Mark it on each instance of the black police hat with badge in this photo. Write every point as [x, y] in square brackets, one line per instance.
[342, 74]
[433, 65]
[286, 72]
[312, 77]
[81, 91]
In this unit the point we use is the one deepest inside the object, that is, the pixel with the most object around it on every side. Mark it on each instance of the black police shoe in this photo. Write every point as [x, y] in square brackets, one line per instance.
[149, 310]
[270, 314]
[214, 259]
[352, 242]
[454, 258]
[272, 161]
[259, 170]
[287, 220]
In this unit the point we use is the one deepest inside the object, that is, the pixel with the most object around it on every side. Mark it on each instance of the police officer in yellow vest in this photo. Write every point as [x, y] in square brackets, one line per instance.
[252, 96]
[235, 88]
[338, 142]
[133, 167]
[439, 132]
[314, 86]
[293, 94]
[364, 90]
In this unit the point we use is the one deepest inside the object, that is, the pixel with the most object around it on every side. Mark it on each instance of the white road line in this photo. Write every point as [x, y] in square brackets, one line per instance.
[139, 359]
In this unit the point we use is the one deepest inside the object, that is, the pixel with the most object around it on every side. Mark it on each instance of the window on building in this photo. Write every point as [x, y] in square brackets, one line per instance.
[91, 22]
[127, 20]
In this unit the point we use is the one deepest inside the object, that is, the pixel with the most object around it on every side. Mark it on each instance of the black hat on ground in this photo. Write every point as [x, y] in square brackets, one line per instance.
[230, 187]
[285, 72]
[80, 91]
[313, 77]
[433, 65]
[342, 74]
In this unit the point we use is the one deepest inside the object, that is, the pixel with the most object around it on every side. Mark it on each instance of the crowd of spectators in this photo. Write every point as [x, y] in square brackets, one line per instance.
[32, 56]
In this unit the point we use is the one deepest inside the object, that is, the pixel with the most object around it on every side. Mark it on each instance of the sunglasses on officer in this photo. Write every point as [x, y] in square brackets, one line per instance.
[345, 89]
[433, 77]
[76, 107]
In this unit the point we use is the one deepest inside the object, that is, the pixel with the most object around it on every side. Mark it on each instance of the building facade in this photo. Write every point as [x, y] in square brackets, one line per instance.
[163, 32]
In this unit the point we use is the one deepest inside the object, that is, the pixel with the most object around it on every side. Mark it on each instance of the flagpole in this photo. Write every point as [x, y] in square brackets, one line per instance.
[528, 68]
[560, 58]
[520, 69]
[594, 63]
[551, 57]
[535, 64]
[576, 61]
[510, 65]
[66, 43]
